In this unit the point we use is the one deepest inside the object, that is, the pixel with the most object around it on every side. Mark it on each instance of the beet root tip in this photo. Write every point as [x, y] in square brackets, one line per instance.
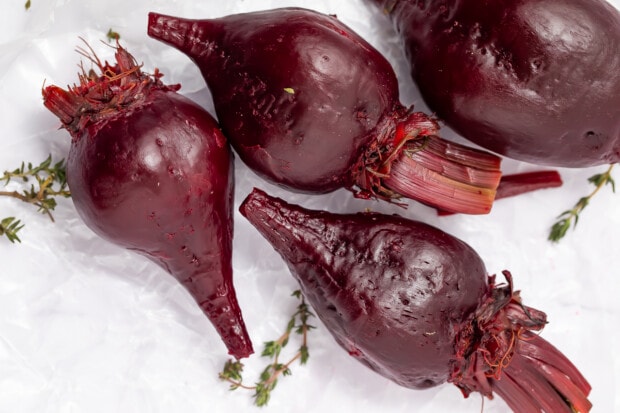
[173, 31]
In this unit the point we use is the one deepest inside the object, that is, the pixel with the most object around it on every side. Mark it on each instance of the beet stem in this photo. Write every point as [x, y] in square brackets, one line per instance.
[538, 349]
[517, 184]
[414, 162]
[61, 103]
[413, 180]
[536, 385]
[515, 396]
[530, 374]
[522, 183]
[561, 380]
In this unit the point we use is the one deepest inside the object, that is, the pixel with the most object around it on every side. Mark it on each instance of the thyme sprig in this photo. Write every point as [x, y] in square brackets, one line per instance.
[50, 181]
[298, 324]
[570, 217]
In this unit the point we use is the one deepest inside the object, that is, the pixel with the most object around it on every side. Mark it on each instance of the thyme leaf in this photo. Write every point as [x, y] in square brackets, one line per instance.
[10, 226]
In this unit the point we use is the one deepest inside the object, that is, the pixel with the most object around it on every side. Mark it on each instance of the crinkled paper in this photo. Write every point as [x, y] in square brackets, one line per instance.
[86, 326]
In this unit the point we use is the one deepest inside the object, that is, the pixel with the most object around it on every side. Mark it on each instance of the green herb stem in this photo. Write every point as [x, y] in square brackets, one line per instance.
[570, 217]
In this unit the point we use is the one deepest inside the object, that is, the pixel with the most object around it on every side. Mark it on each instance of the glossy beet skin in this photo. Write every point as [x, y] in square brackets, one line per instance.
[535, 80]
[415, 305]
[309, 105]
[149, 170]
[314, 113]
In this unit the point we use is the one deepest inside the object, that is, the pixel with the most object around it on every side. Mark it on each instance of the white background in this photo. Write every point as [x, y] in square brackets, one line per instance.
[88, 327]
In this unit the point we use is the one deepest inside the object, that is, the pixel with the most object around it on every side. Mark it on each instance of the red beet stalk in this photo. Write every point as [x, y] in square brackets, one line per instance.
[310, 105]
[150, 170]
[415, 305]
[517, 184]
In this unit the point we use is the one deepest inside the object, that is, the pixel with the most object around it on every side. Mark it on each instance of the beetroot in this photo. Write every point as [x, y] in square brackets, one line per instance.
[149, 170]
[415, 305]
[535, 80]
[309, 105]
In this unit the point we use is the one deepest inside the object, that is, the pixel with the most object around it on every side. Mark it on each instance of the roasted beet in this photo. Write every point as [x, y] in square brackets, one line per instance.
[415, 305]
[535, 80]
[150, 170]
[310, 105]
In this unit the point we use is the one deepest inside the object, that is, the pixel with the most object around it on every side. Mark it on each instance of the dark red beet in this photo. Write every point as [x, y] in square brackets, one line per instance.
[149, 170]
[415, 305]
[310, 105]
[535, 80]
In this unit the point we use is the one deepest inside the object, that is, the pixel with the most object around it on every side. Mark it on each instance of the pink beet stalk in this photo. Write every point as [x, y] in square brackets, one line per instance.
[521, 183]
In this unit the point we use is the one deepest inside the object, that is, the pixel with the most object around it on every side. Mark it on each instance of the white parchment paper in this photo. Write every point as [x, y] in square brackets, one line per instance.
[86, 326]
